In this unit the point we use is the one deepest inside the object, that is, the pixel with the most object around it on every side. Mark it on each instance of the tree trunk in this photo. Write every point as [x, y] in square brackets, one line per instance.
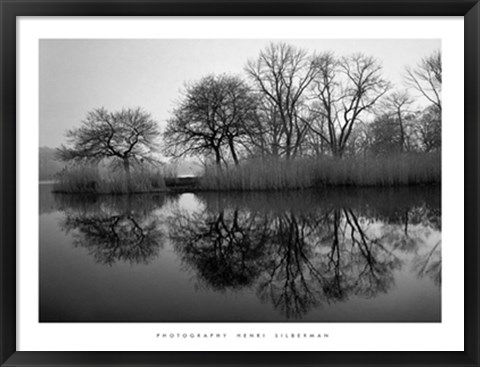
[287, 147]
[218, 158]
[402, 132]
[336, 150]
[275, 149]
[232, 150]
[128, 177]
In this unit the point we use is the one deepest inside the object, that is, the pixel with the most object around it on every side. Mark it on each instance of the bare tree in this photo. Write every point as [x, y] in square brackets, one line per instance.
[127, 136]
[213, 114]
[399, 103]
[282, 74]
[427, 78]
[265, 133]
[346, 88]
[429, 129]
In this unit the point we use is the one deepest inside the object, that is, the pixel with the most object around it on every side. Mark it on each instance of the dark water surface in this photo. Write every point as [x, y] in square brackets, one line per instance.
[343, 255]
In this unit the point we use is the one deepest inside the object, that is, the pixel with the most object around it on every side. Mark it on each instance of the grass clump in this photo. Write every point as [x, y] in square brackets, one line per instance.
[281, 174]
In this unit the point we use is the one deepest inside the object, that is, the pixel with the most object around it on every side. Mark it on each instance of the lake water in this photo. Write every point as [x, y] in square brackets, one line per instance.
[343, 255]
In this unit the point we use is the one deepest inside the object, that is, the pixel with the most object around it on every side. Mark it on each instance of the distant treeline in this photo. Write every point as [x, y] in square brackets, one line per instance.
[49, 166]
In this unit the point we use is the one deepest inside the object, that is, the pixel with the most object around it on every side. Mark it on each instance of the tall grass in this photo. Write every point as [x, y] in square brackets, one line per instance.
[279, 174]
[89, 179]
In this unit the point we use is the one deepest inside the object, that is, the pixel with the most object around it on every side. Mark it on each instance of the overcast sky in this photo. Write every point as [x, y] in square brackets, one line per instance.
[79, 75]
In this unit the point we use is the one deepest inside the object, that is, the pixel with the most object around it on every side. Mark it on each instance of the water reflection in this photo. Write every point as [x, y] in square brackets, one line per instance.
[295, 252]
[298, 254]
[430, 264]
[226, 248]
[113, 228]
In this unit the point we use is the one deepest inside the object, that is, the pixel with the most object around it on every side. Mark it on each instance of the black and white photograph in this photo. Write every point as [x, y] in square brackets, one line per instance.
[240, 180]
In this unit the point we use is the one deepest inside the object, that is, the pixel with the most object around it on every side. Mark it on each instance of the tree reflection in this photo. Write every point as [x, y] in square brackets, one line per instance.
[224, 247]
[325, 257]
[289, 280]
[430, 264]
[114, 229]
[373, 261]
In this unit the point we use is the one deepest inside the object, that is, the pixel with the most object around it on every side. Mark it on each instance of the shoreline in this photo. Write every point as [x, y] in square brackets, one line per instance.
[178, 189]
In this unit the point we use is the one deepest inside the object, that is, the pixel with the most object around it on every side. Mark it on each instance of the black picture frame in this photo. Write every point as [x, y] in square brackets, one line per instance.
[10, 10]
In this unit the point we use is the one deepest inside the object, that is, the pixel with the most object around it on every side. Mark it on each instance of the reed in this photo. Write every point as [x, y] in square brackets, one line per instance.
[88, 179]
[281, 174]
